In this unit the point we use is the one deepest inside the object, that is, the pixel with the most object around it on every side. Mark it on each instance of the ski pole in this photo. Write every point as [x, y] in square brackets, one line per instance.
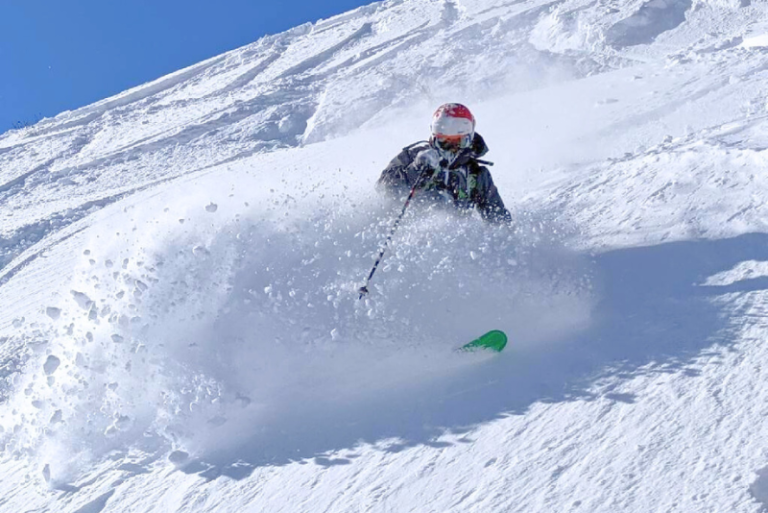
[364, 289]
[456, 162]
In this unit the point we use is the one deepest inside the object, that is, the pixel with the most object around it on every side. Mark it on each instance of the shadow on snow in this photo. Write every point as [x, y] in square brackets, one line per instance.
[653, 316]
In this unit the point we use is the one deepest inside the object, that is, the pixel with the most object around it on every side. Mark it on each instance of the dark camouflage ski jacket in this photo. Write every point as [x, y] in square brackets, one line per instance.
[466, 184]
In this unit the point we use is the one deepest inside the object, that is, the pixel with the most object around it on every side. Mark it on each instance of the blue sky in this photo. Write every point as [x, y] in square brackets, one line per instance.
[60, 55]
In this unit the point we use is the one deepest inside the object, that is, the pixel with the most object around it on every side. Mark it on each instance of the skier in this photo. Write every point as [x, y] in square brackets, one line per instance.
[447, 168]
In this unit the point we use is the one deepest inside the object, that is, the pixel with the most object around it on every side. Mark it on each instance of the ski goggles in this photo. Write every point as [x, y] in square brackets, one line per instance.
[452, 142]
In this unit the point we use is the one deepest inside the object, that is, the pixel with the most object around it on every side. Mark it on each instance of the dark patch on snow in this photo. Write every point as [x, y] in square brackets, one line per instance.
[438, 445]
[178, 457]
[759, 489]
[451, 13]
[98, 504]
[622, 398]
[326, 462]
[66, 488]
[239, 470]
[651, 20]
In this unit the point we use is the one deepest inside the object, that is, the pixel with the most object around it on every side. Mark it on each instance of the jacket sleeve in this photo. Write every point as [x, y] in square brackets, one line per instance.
[394, 178]
[400, 175]
[489, 202]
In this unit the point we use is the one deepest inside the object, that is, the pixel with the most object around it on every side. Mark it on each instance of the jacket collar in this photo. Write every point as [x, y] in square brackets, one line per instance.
[479, 148]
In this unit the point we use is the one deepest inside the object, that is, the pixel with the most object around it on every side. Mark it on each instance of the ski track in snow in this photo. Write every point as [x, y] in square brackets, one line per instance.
[180, 329]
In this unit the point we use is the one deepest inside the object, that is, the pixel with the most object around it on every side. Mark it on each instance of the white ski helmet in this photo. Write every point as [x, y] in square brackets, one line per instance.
[453, 127]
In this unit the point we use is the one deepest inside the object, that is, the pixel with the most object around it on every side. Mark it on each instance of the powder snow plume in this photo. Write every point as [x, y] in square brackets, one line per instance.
[208, 330]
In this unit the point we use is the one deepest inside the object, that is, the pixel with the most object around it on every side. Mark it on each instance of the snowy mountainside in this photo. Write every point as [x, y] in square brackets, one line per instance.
[180, 329]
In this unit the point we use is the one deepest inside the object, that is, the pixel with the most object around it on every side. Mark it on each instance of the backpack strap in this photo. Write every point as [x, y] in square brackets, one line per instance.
[411, 146]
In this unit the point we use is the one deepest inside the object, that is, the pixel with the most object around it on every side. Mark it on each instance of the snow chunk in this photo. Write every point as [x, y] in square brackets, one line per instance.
[178, 457]
[212, 207]
[52, 312]
[51, 364]
[121, 423]
[82, 300]
[756, 42]
[200, 250]
[56, 417]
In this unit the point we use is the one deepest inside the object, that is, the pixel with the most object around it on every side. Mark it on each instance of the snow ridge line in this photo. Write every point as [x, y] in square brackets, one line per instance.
[141, 92]
[20, 180]
[365, 30]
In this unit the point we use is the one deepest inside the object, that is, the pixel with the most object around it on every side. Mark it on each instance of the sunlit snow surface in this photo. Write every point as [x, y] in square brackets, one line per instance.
[180, 328]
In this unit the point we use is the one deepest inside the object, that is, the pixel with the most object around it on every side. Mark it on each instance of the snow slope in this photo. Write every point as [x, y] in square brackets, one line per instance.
[179, 323]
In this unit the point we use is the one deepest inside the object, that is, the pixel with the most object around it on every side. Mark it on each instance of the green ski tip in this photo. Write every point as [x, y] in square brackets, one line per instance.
[495, 340]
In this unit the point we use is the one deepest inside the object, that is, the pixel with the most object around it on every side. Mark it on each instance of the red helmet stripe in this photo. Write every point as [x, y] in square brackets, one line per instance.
[453, 119]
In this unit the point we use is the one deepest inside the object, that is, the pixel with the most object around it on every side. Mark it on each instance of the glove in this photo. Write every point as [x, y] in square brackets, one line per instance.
[428, 160]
